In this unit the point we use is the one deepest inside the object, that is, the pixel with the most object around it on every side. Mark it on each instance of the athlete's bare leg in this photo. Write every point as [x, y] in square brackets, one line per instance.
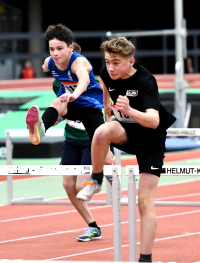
[72, 187]
[103, 136]
[61, 107]
[146, 197]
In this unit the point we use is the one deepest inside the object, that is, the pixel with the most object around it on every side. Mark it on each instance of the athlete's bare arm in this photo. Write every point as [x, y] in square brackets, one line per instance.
[45, 65]
[149, 119]
[81, 67]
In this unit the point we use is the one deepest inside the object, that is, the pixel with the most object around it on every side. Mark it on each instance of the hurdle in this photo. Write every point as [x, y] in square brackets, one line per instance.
[58, 170]
[115, 170]
[58, 132]
[132, 171]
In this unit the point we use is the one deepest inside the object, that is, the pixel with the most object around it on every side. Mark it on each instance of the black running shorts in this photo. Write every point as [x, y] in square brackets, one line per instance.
[76, 152]
[90, 117]
[147, 144]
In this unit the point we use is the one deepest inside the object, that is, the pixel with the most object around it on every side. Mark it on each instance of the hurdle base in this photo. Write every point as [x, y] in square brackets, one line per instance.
[27, 198]
[124, 201]
[39, 200]
[26, 201]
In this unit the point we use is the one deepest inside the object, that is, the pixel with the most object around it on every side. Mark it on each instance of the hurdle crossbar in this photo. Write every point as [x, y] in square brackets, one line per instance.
[53, 170]
[170, 170]
[58, 132]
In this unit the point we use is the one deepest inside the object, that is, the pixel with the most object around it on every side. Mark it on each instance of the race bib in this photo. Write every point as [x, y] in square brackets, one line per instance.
[121, 117]
[70, 86]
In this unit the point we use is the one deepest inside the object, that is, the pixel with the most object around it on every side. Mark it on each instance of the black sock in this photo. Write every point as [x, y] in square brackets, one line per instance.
[49, 117]
[98, 177]
[93, 224]
[145, 258]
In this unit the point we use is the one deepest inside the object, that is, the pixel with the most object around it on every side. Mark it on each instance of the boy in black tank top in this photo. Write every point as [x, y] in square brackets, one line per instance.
[131, 94]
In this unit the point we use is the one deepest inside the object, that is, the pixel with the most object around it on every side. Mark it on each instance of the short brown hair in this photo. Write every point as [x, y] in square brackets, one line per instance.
[60, 32]
[77, 47]
[118, 45]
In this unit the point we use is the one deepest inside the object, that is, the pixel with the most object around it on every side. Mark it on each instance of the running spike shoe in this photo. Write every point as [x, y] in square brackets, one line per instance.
[90, 188]
[91, 234]
[35, 125]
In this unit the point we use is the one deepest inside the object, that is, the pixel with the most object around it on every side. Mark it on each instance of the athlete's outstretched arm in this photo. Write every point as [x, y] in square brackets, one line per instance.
[81, 67]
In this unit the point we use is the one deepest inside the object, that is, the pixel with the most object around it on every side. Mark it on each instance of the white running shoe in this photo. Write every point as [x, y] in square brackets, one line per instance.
[91, 187]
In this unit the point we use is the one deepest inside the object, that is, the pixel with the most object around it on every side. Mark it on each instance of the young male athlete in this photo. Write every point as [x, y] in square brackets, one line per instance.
[77, 151]
[80, 96]
[140, 129]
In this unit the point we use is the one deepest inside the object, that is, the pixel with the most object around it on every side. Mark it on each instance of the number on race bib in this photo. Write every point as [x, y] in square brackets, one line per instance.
[121, 117]
[70, 88]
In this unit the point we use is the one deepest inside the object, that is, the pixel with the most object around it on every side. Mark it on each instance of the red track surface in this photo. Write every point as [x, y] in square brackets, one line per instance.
[164, 82]
[38, 232]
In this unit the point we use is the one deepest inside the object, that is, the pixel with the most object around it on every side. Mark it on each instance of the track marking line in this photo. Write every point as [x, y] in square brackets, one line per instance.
[51, 214]
[177, 196]
[81, 229]
[109, 248]
[183, 182]
[83, 253]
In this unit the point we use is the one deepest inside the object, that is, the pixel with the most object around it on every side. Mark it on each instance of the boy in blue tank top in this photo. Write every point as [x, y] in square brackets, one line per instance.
[77, 151]
[81, 98]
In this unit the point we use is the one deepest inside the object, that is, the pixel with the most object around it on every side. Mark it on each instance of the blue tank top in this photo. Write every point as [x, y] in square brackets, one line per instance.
[91, 98]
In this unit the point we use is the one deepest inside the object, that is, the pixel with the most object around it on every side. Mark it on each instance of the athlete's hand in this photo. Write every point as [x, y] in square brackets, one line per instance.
[68, 97]
[122, 104]
[44, 68]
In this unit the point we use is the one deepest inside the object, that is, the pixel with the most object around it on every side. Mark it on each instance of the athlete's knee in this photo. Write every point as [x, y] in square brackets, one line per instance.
[102, 134]
[69, 188]
[60, 106]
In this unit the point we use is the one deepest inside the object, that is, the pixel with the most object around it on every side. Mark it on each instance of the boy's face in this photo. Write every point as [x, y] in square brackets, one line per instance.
[59, 50]
[119, 67]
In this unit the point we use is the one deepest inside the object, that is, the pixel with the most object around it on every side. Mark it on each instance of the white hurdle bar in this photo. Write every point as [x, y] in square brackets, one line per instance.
[57, 132]
[53, 170]
[168, 170]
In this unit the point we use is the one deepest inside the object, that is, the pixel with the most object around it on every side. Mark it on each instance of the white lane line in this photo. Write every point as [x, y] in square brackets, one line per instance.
[109, 248]
[178, 182]
[177, 196]
[50, 234]
[51, 214]
[56, 213]
[81, 229]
